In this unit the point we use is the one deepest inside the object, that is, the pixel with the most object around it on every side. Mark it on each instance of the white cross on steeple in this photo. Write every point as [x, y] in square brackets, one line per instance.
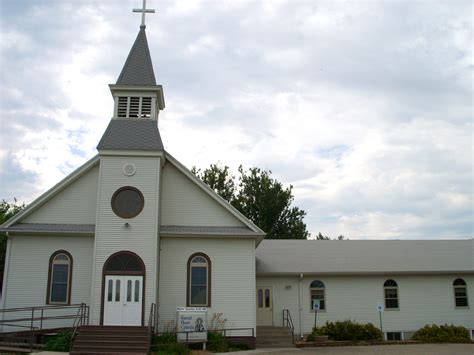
[144, 10]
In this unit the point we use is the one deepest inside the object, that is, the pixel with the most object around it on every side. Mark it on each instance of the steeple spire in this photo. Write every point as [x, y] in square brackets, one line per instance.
[138, 68]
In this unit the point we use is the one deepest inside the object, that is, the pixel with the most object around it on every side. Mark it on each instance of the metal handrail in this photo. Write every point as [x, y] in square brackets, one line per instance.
[224, 330]
[152, 319]
[82, 310]
[288, 322]
[79, 321]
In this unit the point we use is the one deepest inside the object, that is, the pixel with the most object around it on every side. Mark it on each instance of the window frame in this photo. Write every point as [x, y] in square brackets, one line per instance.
[311, 289]
[454, 293]
[208, 281]
[391, 287]
[119, 213]
[50, 278]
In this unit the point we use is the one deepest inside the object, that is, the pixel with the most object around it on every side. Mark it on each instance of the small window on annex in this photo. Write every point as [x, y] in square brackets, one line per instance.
[318, 293]
[390, 290]
[59, 278]
[199, 281]
[460, 293]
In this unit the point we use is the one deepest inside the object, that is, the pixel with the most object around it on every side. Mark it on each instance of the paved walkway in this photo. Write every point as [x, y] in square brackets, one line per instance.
[412, 349]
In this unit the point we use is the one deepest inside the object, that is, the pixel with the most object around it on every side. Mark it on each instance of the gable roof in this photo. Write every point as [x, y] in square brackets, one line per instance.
[51, 193]
[131, 134]
[138, 68]
[364, 256]
[253, 229]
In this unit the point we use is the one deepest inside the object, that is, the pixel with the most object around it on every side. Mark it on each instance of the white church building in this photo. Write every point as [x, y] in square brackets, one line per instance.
[133, 227]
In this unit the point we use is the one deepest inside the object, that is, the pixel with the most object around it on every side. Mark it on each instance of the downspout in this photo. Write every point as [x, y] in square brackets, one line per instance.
[299, 305]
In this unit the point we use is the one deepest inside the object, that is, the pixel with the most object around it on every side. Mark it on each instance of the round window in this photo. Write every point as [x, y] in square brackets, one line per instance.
[127, 202]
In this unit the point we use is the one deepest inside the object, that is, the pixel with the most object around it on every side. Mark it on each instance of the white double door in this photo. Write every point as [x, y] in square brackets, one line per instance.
[123, 300]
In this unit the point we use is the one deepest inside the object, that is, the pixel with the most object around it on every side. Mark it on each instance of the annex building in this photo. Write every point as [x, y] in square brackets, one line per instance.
[133, 227]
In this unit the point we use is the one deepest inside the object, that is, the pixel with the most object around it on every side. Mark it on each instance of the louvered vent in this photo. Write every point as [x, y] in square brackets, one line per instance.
[122, 106]
[134, 107]
[146, 107]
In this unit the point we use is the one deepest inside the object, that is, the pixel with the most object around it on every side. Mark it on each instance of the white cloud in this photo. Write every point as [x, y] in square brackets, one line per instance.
[365, 108]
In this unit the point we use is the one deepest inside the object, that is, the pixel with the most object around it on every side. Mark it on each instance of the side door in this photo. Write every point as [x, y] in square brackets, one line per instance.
[264, 305]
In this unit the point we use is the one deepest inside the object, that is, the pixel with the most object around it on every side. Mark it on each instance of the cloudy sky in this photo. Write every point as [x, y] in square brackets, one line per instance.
[365, 107]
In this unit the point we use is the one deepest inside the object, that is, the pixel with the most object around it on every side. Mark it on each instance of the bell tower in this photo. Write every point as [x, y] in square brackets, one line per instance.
[126, 244]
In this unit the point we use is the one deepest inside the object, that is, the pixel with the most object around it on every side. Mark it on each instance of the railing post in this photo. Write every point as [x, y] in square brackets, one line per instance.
[31, 327]
[41, 321]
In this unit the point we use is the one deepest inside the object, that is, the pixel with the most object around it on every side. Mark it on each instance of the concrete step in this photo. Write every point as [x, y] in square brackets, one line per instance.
[111, 340]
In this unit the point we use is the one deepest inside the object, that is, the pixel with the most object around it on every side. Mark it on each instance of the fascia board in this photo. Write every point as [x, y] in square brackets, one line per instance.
[49, 233]
[213, 194]
[131, 152]
[53, 191]
[367, 273]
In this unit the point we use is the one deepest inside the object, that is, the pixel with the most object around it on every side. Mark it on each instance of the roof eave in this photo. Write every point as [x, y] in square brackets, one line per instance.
[367, 273]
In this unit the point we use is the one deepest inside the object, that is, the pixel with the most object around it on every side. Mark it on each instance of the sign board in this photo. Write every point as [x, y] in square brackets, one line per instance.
[380, 307]
[315, 305]
[193, 321]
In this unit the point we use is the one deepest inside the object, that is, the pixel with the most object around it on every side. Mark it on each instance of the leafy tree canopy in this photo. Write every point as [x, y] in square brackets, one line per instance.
[319, 236]
[259, 197]
[7, 210]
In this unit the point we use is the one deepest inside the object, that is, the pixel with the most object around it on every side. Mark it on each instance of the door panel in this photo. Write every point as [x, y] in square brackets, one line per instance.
[123, 300]
[264, 305]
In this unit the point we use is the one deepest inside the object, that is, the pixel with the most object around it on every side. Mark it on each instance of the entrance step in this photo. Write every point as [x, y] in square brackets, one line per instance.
[102, 340]
[274, 337]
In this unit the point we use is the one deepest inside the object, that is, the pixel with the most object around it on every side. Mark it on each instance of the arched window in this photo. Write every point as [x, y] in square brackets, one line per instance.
[199, 281]
[390, 290]
[317, 293]
[460, 293]
[59, 278]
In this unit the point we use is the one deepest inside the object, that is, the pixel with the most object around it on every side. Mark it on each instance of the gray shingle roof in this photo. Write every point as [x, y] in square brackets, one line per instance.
[206, 230]
[138, 68]
[50, 228]
[131, 134]
[364, 256]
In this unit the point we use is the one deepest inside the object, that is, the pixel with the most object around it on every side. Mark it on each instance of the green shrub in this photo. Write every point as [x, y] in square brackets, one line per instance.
[167, 349]
[217, 342]
[347, 330]
[59, 342]
[442, 334]
[167, 343]
[164, 338]
[238, 346]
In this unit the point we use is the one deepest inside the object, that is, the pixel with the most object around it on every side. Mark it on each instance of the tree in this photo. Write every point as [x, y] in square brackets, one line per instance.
[219, 179]
[319, 236]
[322, 237]
[7, 211]
[260, 198]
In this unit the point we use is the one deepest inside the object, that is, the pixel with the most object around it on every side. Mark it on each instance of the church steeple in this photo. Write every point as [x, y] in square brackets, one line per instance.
[137, 100]
[136, 94]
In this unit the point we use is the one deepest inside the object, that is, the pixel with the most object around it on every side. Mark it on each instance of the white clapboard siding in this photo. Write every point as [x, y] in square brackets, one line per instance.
[75, 204]
[186, 204]
[423, 299]
[27, 270]
[141, 237]
[232, 279]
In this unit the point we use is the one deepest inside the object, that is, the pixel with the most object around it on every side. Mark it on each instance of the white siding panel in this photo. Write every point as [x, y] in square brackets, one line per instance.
[186, 204]
[141, 237]
[76, 204]
[27, 278]
[423, 299]
[232, 279]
